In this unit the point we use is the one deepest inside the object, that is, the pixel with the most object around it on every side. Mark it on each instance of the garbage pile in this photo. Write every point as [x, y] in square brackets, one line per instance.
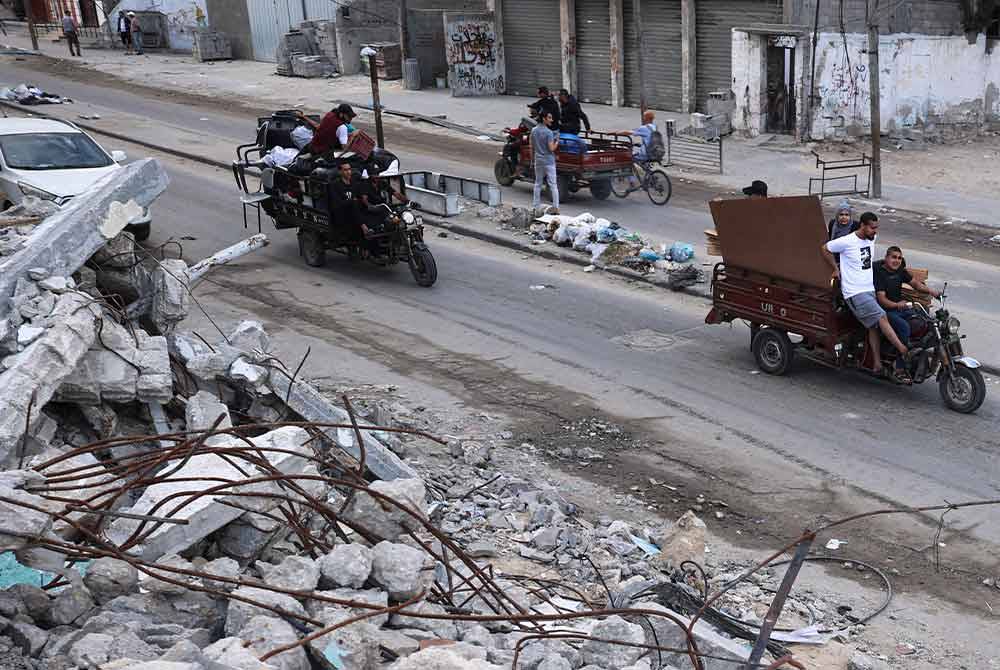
[174, 502]
[27, 94]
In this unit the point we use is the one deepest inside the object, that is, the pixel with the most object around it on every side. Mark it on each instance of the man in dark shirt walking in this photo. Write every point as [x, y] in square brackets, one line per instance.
[571, 114]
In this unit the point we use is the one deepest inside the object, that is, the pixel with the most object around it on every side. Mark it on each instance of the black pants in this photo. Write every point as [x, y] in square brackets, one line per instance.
[73, 40]
[126, 39]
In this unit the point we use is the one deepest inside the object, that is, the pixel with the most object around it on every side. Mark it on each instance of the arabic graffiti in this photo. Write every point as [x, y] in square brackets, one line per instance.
[845, 91]
[474, 54]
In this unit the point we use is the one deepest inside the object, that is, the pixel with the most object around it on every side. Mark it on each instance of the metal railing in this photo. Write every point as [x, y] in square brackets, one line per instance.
[695, 152]
[832, 171]
[90, 32]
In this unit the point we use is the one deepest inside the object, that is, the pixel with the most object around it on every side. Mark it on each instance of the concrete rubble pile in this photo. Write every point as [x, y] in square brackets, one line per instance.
[196, 505]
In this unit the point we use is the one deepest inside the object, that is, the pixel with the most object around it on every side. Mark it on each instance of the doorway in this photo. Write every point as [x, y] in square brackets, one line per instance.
[780, 84]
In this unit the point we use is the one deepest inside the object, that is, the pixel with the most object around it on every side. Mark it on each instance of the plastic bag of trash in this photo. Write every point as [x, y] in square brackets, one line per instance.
[681, 252]
[605, 234]
[7, 94]
[649, 255]
[586, 217]
[562, 236]
[582, 239]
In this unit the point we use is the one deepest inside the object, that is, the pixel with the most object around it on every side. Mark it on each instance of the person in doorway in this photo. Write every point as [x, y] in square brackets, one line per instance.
[135, 25]
[545, 103]
[756, 189]
[857, 283]
[543, 147]
[71, 35]
[125, 31]
[890, 275]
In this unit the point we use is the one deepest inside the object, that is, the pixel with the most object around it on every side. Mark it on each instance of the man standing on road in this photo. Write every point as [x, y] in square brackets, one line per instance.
[135, 25]
[69, 32]
[125, 31]
[858, 286]
[543, 147]
[890, 275]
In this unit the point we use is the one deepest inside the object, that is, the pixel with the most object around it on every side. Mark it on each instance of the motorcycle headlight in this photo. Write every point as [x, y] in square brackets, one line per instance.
[409, 219]
[953, 325]
[35, 192]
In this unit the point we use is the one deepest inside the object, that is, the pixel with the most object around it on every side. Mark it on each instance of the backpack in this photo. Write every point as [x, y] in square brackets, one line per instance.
[656, 150]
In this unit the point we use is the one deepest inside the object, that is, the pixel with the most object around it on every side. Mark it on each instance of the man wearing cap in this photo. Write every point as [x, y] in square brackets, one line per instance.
[331, 132]
[756, 189]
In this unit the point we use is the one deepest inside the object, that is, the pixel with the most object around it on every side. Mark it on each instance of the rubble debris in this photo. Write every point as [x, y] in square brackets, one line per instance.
[684, 541]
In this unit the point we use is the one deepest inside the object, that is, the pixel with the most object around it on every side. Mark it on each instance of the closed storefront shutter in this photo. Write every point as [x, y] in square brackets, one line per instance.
[661, 25]
[531, 45]
[593, 51]
[714, 22]
[269, 20]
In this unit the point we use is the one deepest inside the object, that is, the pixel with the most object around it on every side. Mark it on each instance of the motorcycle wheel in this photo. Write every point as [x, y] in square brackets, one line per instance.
[658, 187]
[773, 350]
[422, 265]
[964, 390]
[312, 248]
[503, 172]
[600, 188]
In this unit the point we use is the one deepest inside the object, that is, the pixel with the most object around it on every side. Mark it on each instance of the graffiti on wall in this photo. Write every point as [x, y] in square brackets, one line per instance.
[474, 55]
[845, 90]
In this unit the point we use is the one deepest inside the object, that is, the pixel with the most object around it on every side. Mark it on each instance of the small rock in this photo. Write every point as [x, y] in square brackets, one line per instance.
[27, 334]
[55, 284]
[38, 274]
[483, 548]
[684, 541]
[71, 605]
[108, 578]
[348, 565]
[487, 212]
[398, 568]
[860, 661]
[295, 573]
[611, 655]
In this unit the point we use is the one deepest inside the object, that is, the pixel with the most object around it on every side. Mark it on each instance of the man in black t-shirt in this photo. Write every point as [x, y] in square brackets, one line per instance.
[343, 200]
[890, 275]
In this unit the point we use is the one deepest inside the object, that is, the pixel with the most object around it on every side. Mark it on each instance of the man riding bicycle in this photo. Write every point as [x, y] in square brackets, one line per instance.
[651, 147]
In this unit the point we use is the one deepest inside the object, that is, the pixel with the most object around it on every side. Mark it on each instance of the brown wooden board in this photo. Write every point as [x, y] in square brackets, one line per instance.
[780, 237]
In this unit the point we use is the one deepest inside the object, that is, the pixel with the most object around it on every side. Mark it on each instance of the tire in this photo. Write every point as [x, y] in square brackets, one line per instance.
[140, 231]
[312, 248]
[659, 188]
[773, 350]
[422, 265]
[620, 186]
[503, 172]
[600, 188]
[754, 329]
[565, 183]
[964, 390]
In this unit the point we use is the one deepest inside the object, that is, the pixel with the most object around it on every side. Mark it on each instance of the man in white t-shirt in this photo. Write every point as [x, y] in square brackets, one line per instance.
[857, 282]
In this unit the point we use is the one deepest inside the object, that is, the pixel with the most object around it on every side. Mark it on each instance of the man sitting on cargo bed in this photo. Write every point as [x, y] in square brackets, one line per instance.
[890, 275]
[857, 282]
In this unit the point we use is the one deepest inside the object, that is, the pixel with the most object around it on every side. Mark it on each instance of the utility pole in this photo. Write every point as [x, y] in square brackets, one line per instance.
[30, 15]
[372, 56]
[637, 8]
[403, 30]
[876, 102]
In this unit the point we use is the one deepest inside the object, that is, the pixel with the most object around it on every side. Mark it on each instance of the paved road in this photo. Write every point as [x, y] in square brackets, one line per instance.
[813, 443]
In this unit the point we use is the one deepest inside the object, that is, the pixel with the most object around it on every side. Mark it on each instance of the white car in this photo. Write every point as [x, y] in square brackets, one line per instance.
[54, 160]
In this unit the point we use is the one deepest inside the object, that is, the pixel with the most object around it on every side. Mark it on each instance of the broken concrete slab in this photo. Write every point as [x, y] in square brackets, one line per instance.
[310, 404]
[171, 299]
[232, 653]
[240, 613]
[64, 241]
[347, 565]
[295, 573]
[108, 578]
[207, 513]
[202, 410]
[398, 568]
[264, 633]
[383, 519]
[453, 657]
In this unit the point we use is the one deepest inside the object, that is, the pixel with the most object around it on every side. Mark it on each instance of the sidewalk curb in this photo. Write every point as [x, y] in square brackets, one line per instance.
[556, 253]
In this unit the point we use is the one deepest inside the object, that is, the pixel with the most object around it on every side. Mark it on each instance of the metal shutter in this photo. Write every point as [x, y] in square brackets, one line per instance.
[531, 45]
[714, 21]
[661, 26]
[593, 51]
[269, 20]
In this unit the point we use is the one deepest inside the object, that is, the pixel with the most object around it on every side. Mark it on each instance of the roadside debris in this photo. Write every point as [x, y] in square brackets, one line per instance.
[27, 94]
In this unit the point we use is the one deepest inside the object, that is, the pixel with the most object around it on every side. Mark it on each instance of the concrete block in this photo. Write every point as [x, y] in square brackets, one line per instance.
[202, 410]
[63, 242]
[206, 514]
[170, 294]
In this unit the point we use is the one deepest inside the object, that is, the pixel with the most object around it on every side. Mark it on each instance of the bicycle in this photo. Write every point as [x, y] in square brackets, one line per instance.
[648, 176]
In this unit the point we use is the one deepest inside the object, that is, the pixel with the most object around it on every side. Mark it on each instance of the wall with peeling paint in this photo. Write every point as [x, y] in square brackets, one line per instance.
[183, 17]
[941, 84]
[749, 63]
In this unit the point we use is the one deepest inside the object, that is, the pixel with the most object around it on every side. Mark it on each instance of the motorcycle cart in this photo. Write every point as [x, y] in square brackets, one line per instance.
[299, 196]
[593, 163]
[774, 278]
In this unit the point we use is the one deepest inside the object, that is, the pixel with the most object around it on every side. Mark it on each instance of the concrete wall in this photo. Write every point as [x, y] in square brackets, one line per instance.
[182, 18]
[750, 82]
[927, 17]
[425, 42]
[940, 84]
[368, 21]
[475, 55]
[231, 17]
